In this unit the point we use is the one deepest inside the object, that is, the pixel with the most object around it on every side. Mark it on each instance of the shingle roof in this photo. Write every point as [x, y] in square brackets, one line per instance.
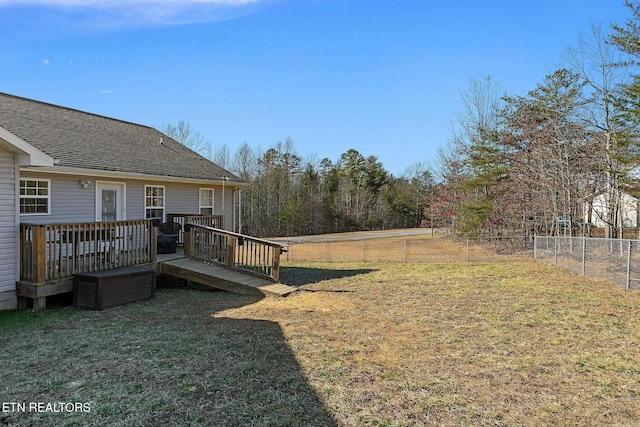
[79, 139]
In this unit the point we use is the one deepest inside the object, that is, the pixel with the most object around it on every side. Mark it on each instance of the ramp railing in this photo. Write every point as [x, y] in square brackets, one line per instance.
[233, 251]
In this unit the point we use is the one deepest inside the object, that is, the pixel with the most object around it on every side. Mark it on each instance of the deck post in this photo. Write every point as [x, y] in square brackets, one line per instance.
[153, 239]
[187, 239]
[230, 251]
[39, 303]
[276, 264]
[39, 254]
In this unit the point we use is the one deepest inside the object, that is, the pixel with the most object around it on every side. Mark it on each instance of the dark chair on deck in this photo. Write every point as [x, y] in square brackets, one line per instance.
[168, 237]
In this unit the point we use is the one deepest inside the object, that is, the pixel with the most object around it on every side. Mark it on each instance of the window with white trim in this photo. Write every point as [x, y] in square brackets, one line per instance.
[35, 196]
[154, 202]
[206, 201]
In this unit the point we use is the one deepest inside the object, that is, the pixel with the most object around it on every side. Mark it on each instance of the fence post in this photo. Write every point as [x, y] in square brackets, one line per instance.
[628, 265]
[405, 251]
[467, 249]
[555, 250]
[363, 243]
[584, 255]
[535, 247]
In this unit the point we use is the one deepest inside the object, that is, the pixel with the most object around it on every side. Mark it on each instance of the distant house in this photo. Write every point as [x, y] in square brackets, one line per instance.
[60, 165]
[629, 211]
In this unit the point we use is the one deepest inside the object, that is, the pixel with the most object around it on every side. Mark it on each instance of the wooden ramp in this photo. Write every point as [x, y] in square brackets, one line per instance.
[222, 278]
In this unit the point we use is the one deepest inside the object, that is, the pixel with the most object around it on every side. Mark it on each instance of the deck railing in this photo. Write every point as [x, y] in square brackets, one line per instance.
[56, 251]
[233, 251]
[215, 221]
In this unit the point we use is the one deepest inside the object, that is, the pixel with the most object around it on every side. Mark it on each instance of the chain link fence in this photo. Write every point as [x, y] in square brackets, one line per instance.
[614, 260]
[420, 249]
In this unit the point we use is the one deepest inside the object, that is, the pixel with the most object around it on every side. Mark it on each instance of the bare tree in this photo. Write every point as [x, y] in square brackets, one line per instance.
[478, 141]
[185, 135]
[549, 153]
[598, 64]
[421, 183]
[222, 157]
[245, 162]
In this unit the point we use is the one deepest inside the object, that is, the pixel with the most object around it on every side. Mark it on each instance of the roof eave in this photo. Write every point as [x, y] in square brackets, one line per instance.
[28, 155]
[111, 175]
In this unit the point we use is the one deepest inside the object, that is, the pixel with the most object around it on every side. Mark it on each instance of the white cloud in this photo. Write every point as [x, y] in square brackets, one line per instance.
[46, 62]
[119, 13]
[125, 3]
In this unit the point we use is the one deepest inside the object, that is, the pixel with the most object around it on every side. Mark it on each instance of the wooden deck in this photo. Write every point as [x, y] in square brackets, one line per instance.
[219, 277]
[176, 265]
[38, 292]
[52, 254]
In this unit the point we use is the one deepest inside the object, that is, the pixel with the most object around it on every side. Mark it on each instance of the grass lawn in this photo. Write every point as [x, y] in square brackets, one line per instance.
[375, 344]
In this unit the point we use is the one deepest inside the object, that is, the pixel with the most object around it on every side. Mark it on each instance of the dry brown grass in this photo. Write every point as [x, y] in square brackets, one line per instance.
[398, 249]
[361, 344]
[467, 344]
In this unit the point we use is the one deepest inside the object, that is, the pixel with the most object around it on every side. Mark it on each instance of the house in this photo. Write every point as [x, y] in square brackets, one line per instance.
[63, 166]
[629, 213]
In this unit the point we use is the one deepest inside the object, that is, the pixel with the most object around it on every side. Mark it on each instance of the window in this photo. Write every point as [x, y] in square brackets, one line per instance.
[154, 202]
[34, 196]
[206, 201]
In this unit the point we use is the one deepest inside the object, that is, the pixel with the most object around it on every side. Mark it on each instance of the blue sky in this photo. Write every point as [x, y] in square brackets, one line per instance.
[381, 76]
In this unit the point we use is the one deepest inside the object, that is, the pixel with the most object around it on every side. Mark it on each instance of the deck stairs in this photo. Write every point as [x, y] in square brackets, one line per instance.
[219, 277]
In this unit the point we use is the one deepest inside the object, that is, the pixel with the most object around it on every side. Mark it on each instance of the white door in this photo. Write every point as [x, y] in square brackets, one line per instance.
[110, 202]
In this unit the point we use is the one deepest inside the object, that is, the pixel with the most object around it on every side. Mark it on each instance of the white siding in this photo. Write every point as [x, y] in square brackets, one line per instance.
[185, 199]
[135, 200]
[629, 206]
[227, 209]
[182, 199]
[8, 226]
[71, 203]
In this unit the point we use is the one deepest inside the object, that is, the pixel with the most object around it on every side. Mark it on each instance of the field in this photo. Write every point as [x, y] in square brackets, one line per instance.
[361, 344]
[418, 248]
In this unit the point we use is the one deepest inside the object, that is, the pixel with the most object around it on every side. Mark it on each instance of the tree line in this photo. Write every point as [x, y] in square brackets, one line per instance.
[518, 165]
[536, 164]
[288, 195]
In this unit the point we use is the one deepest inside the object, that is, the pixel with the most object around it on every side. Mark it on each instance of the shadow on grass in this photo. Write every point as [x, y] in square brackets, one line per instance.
[174, 360]
[299, 276]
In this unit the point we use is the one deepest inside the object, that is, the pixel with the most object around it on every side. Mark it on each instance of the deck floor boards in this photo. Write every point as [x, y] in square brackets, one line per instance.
[222, 278]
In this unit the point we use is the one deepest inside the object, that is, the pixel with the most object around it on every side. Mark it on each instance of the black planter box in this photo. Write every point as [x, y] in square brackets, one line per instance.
[104, 289]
